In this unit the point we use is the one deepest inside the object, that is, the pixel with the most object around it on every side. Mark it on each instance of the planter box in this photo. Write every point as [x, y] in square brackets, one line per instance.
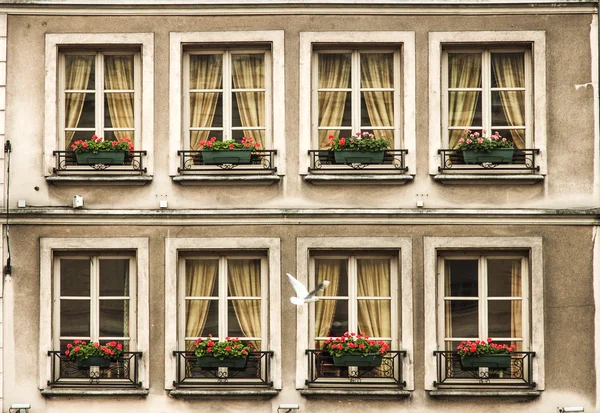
[494, 361]
[102, 157]
[348, 157]
[494, 156]
[210, 361]
[94, 361]
[371, 360]
[233, 156]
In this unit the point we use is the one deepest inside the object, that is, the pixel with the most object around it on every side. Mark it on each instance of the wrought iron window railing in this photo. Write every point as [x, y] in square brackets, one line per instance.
[323, 373]
[394, 160]
[523, 161]
[451, 373]
[256, 372]
[122, 373]
[192, 163]
[66, 163]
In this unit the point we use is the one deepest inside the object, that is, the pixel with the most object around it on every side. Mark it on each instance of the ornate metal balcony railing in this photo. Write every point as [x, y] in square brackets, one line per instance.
[524, 161]
[256, 373]
[450, 372]
[67, 163]
[122, 373]
[323, 373]
[261, 162]
[394, 160]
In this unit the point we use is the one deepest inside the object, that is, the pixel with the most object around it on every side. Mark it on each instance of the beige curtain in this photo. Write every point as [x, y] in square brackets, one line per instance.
[206, 72]
[248, 72]
[516, 318]
[77, 76]
[243, 279]
[334, 72]
[119, 76]
[374, 316]
[325, 309]
[509, 72]
[377, 71]
[200, 276]
[465, 71]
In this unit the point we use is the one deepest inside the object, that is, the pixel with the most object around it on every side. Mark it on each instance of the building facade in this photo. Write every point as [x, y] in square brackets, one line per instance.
[423, 248]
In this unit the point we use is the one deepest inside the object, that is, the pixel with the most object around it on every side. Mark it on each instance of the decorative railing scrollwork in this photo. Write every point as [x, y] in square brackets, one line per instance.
[261, 162]
[394, 160]
[66, 163]
[524, 160]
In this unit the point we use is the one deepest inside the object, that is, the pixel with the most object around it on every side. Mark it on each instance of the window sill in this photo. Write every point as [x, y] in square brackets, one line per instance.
[226, 179]
[363, 179]
[355, 392]
[487, 179]
[99, 180]
[500, 393]
[94, 392]
[207, 393]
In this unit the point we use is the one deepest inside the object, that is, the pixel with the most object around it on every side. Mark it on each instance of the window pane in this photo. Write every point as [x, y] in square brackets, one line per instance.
[464, 70]
[387, 134]
[110, 135]
[324, 134]
[461, 319]
[508, 70]
[377, 109]
[75, 278]
[201, 318]
[461, 278]
[114, 318]
[75, 318]
[464, 109]
[248, 109]
[257, 135]
[197, 136]
[114, 277]
[504, 278]
[80, 110]
[331, 318]
[206, 109]
[334, 71]
[244, 318]
[201, 278]
[71, 137]
[80, 72]
[244, 278]
[206, 71]
[376, 70]
[248, 71]
[373, 278]
[336, 272]
[505, 318]
[118, 110]
[374, 318]
[508, 108]
[118, 72]
[335, 109]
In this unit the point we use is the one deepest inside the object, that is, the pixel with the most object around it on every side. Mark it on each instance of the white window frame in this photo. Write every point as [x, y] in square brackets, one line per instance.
[94, 298]
[355, 92]
[311, 41]
[401, 248]
[275, 119]
[223, 297]
[175, 246]
[438, 41]
[144, 88]
[486, 89]
[95, 246]
[434, 334]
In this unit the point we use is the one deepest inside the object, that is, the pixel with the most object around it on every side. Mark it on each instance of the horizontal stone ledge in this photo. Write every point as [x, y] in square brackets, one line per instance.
[99, 180]
[356, 392]
[500, 393]
[87, 392]
[216, 393]
[225, 179]
[485, 179]
[356, 179]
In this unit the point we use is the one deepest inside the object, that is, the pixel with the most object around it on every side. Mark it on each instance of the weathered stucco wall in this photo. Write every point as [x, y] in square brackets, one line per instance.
[568, 307]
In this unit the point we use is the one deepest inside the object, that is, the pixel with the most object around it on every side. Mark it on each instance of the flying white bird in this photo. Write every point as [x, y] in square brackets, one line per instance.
[302, 294]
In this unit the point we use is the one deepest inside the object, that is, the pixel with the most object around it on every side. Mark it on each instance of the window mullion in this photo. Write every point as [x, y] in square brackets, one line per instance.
[355, 84]
[227, 96]
[95, 299]
[486, 83]
[99, 94]
[223, 299]
[482, 277]
[352, 294]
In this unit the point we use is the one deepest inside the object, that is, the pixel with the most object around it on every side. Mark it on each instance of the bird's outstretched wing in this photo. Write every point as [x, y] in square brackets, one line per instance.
[300, 289]
[318, 288]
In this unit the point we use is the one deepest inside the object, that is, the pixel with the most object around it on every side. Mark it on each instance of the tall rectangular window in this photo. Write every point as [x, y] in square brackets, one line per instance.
[223, 296]
[483, 297]
[488, 90]
[99, 95]
[227, 95]
[94, 300]
[357, 90]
